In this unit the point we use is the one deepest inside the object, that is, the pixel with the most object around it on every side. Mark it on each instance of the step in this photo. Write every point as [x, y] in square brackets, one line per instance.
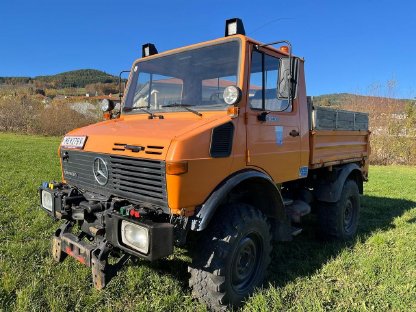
[295, 231]
[287, 201]
[298, 209]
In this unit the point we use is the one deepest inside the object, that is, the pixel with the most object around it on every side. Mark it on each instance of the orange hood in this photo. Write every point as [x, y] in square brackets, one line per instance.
[155, 135]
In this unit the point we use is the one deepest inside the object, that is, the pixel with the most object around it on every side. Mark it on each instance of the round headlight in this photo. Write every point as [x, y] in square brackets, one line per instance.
[232, 95]
[107, 105]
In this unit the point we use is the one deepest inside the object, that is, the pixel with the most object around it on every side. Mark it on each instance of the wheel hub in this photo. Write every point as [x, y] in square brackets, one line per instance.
[245, 262]
[348, 215]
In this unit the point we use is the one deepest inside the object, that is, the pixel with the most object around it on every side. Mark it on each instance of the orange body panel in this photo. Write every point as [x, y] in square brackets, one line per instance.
[188, 190]
[184, 136]
[281, 161]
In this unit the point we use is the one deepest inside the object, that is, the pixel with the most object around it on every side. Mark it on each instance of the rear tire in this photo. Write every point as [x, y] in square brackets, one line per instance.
[231, 258]
[340, 220]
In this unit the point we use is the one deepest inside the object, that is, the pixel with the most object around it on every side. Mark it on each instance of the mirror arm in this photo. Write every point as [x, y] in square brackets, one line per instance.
[257, 46]
[119, 84]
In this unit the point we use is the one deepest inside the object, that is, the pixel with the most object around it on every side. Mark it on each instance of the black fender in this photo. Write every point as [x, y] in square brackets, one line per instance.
[330, 191]
[273, 209]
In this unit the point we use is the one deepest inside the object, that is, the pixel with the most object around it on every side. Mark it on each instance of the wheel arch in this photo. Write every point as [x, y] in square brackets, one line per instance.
[331, 190]
[248, 186]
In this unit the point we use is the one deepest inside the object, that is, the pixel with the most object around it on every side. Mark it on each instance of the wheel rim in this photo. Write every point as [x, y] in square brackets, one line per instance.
[246, 263]
[349, 216]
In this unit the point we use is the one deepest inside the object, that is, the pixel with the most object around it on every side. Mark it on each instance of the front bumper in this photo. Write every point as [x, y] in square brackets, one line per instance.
[160, 237]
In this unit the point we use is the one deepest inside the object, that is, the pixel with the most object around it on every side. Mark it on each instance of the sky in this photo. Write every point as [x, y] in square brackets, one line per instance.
[356, 46]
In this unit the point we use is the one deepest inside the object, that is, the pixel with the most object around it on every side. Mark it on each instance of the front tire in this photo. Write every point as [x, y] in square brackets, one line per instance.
[232, 257]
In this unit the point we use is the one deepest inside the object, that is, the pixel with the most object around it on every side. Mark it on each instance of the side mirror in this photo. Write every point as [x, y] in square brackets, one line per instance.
[122, 84]
[287, 80]
[283, 82]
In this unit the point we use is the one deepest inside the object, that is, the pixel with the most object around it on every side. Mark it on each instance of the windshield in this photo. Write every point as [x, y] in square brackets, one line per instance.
[195, 78]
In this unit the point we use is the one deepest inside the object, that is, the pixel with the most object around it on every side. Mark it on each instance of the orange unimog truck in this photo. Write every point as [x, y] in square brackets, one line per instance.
[217, 142]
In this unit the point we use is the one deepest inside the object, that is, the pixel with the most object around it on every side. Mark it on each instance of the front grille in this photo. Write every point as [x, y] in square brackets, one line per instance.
[135, 179]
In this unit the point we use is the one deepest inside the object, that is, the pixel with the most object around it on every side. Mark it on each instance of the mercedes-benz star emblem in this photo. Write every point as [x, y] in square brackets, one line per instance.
[100, 171]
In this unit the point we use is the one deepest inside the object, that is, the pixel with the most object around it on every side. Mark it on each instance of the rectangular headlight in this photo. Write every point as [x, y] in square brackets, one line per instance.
[135, 236]
[232, 28]
[47, 200]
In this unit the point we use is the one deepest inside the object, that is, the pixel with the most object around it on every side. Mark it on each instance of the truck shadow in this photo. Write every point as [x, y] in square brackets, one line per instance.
[306, 253]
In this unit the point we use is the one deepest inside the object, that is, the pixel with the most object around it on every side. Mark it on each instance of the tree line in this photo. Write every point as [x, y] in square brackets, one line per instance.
[72, 79]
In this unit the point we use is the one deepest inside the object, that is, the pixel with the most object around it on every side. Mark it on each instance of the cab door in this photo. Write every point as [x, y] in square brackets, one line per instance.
[273, 141]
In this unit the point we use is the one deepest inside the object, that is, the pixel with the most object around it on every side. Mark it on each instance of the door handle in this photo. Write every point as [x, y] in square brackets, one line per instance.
[294, 133]
[262, 116]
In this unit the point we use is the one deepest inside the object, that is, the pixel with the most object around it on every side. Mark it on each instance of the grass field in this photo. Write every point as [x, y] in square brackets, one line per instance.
[375, 272]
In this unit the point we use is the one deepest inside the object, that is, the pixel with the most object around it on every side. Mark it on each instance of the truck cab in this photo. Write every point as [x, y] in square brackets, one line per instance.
[217, 138]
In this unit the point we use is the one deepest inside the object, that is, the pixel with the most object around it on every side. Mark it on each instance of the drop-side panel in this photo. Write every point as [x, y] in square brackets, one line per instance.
[330, 147]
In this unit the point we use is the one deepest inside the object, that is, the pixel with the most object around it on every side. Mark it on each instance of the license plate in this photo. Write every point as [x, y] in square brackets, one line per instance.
[74, 142]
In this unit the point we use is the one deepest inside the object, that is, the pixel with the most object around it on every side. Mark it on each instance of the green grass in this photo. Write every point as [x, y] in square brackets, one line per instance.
[375, 272]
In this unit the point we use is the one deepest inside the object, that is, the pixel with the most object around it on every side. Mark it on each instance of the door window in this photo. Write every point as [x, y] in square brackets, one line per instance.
[263, 84]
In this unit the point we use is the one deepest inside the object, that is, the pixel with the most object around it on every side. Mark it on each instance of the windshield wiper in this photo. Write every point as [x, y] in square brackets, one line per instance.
[186, 106]
[151, 115]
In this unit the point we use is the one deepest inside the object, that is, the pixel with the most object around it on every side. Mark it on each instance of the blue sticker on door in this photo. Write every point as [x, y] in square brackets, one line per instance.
[279, 134]
[303, 171]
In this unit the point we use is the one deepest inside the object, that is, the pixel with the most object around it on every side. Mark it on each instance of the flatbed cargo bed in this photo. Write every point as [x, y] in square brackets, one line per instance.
[337, 137]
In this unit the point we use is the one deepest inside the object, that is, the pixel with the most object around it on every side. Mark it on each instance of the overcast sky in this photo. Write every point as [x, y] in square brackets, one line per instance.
[349, 46]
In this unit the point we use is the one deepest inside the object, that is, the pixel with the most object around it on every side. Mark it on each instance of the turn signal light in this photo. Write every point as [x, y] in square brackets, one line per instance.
[284, 49]
[232, 111]
[177, 168]
[107, 115]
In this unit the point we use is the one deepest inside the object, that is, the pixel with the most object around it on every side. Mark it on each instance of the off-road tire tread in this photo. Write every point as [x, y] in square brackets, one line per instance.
[207, 270]
[329, 214]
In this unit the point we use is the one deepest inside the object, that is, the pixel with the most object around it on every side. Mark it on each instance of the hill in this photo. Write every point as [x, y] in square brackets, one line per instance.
[361, 102]
[71, 79]
[78, 78]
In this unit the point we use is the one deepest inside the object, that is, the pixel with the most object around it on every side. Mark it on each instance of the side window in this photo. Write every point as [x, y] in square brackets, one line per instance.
[263, 83]
[256, 81]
